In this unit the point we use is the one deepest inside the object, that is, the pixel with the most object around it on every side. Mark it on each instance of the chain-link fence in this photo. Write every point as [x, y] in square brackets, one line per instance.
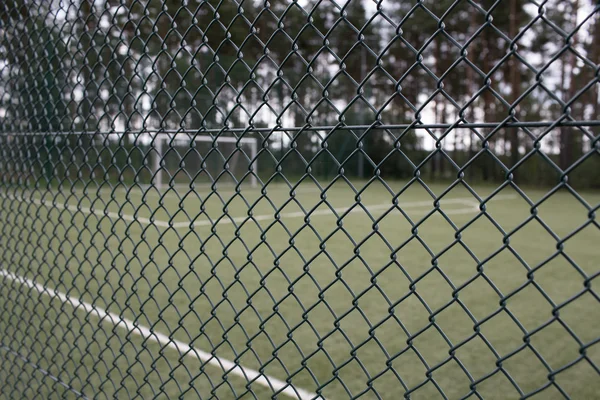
[299, 199]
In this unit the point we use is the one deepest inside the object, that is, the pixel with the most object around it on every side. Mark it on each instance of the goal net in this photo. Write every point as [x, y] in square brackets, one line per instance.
[111, 160]
[181, 160]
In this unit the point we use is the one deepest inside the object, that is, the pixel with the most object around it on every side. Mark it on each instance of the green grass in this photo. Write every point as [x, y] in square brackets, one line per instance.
[353, 303]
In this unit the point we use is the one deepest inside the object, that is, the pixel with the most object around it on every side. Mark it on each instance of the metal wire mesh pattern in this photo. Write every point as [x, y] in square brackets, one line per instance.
[305, 199]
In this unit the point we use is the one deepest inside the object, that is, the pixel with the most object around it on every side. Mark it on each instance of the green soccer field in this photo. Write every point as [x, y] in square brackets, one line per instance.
[120, 292]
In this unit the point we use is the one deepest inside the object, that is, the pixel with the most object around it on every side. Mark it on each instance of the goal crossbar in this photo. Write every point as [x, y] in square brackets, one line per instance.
[206, 138]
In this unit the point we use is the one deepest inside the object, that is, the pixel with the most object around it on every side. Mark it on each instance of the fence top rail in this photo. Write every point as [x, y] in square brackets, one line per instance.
[415, 125]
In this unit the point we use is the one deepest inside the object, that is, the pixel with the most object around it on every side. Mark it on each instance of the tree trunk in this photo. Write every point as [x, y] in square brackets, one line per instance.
[471, 89]
[457, 139]
[567, 138]
[596, 59]
[487, 101]
[515, 85]
[128, 101]
[83, 111]
[443, 120]
[440, 110]
[88, 20]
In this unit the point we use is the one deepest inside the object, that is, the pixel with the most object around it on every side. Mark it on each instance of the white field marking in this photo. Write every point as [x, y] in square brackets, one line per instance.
[473, 207]
[229, 189]
[163, 340]
[87, 210]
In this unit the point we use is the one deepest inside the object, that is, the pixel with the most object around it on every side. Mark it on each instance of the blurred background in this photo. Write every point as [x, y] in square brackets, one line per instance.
[480, 90]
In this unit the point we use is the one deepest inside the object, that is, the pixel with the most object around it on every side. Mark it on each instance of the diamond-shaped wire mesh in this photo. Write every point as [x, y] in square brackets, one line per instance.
[299, 199]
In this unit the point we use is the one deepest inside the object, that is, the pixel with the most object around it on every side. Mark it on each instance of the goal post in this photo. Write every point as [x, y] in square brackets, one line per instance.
[180, 159]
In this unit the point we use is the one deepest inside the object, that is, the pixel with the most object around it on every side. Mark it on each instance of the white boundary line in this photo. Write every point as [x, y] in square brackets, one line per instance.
[163, 340]
[473, 206]
[185, 349]
[87, 210]
[201, 188]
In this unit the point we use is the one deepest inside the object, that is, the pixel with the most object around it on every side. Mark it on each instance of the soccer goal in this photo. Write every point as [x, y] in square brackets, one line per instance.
[184, 159]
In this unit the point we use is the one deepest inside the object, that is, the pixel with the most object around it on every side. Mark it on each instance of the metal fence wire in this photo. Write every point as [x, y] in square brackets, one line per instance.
[304, 199]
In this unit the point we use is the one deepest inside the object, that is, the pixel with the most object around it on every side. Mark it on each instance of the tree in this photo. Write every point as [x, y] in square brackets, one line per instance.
[567, 135]
[34, 82]
[515, 81]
